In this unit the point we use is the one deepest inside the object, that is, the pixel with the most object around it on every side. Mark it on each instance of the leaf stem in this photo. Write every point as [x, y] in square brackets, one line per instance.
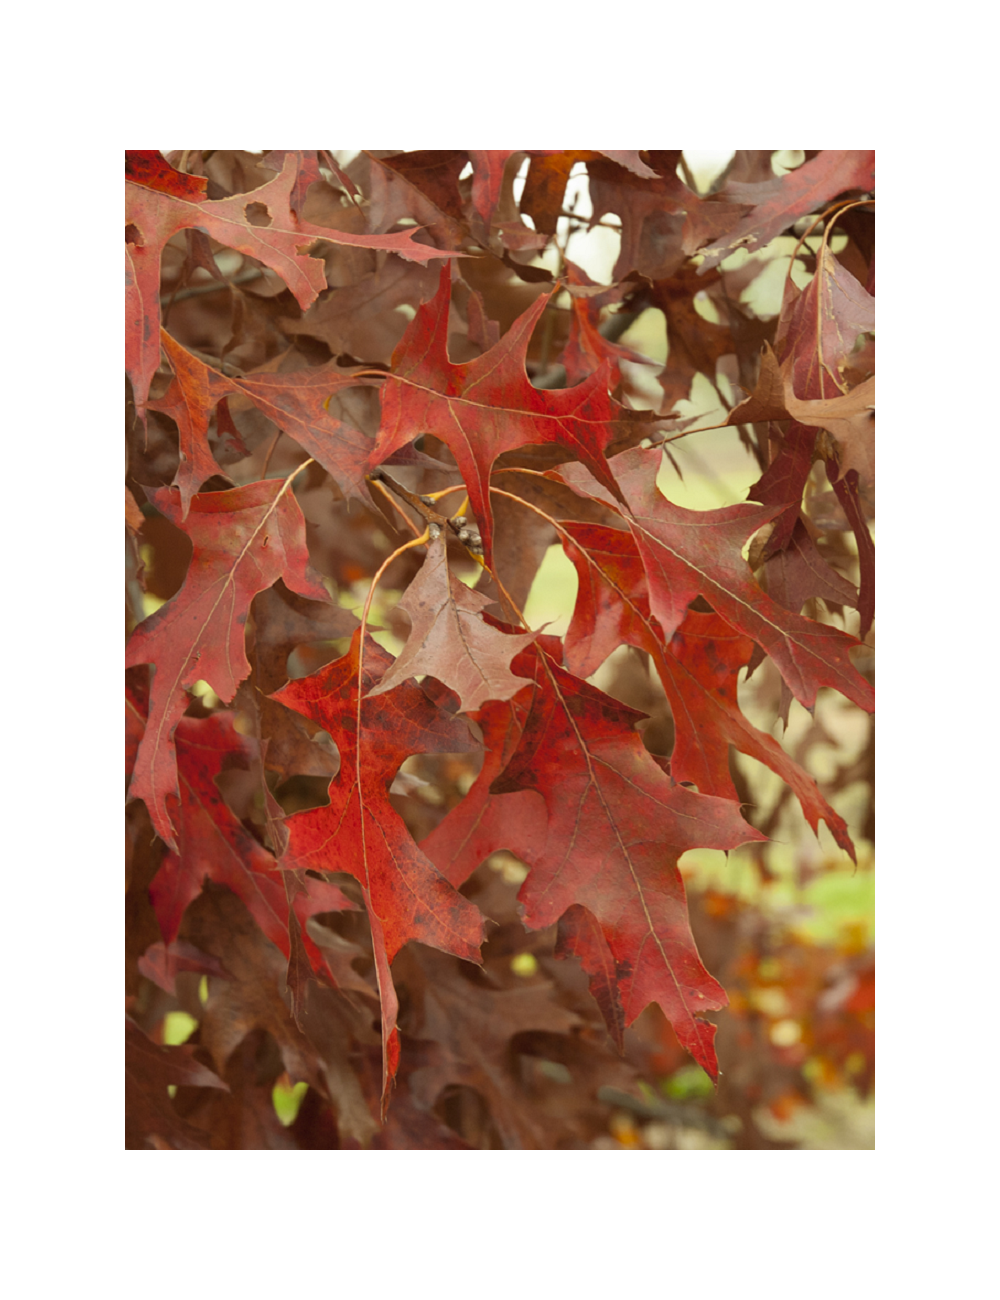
[425, 536]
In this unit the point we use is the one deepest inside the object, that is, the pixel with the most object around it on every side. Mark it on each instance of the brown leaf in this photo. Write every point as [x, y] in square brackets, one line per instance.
[448, 640]
[149, 1114]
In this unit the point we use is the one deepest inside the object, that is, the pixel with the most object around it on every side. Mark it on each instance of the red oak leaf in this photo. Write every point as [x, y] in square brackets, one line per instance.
[630, 159]
[848, 415]
[850, 418]
[450, 641]
[586, 348]
[779, 203]
[296, 402]
[484, 823]
[699, 669]
[799, 572]
[783, 483]
[694, 345]
[848, 491]
[483, 408]
[244, 540]
[816, 335]
[152, 216]
[663, 222]
[580, 935]
[361, 833]
[487, 180]
[148, 167]
[163, 962]
[616, 826]
[690, 553]
[214, 844]
[471, 1025]
[819, 327]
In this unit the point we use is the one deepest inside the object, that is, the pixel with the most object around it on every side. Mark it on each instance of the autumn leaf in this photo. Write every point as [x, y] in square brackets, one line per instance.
[383, 829]
[296, 401]
[777, 204]
[150, 1069]
[163, 962]
[586, 348]
[799, 572]
[152, 216]
[244, 540]
[663, 222]
[580, 936]
[698, 669]
[450, 641]
[483, 408]
[487, 180]
[849, 417]
[694, 345]
[148, 167]
[213, 844]
[484, 823]
[359, 831]
[690, 553]
[283, 622]
[819, 326]
[363, 318]
[252, 996]
[472, 1023]
[616, 827]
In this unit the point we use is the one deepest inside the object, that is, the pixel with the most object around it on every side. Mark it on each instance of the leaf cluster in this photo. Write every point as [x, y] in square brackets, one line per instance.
[366, 400]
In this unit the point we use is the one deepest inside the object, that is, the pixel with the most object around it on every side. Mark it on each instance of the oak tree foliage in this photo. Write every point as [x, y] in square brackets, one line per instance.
[388, 840]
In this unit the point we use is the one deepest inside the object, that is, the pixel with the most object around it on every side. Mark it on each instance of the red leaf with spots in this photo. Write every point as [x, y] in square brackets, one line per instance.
[616, 826]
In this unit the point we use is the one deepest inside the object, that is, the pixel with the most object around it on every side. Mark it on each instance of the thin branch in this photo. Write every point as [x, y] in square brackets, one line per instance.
[216, 286]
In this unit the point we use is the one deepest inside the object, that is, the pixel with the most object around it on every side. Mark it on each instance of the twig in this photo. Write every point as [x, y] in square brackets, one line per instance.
[424, 506]
[199, 290]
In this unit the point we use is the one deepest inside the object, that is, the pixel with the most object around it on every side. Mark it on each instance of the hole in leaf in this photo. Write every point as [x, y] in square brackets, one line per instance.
[257, 214]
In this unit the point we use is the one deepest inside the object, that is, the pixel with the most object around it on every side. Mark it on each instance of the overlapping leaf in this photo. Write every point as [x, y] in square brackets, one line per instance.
[471, 1024]
[615, 828]
[359, 831]
[482, 408]
[296, 402]
[450, 641]
[153, 215]
[150, 1069]
[690, 553]
[244, 540]
[566, 784]
[777, 204]
[698, 668]
[213, 844]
